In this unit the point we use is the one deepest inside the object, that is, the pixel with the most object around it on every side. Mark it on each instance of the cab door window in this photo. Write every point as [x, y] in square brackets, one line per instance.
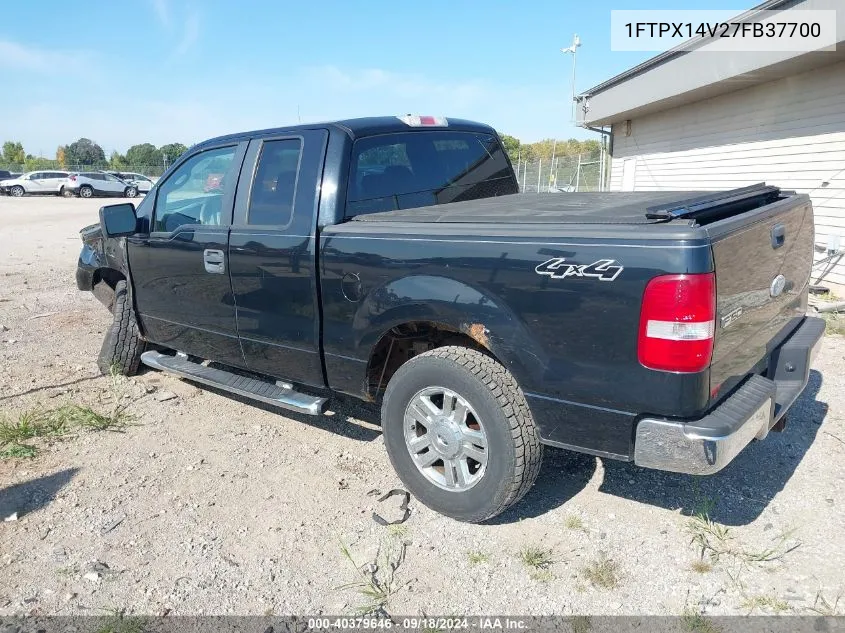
[193, 193]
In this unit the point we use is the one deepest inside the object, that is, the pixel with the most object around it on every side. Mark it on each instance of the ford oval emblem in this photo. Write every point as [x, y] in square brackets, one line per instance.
[778, 284]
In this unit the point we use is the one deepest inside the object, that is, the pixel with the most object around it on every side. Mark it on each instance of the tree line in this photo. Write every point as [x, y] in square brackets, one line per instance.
[545, 149]
[85, 152]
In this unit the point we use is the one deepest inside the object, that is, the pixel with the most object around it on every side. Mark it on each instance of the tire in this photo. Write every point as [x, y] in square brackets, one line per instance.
[85, 191]
[123, 346]
[496, 405]
[17, 191]
[130, 192]
[65, 193]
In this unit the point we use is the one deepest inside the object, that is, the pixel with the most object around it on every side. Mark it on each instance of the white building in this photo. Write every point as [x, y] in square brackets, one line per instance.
[715, 120]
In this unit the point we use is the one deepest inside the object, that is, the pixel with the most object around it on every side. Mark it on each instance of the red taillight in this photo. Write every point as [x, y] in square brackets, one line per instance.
[677, 322]
[72, 178]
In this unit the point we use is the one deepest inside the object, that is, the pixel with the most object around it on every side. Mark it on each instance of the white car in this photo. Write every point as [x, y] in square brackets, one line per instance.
[143, 183]
[87, 184]
[35, 182]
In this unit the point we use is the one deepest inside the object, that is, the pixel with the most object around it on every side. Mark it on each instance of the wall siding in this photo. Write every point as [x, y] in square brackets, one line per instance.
[789, 133]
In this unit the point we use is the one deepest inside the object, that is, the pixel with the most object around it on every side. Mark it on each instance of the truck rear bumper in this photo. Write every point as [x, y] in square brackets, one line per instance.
[705, 446]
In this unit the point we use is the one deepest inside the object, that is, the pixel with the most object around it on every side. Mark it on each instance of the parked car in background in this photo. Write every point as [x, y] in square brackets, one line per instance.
[87, 184]
[34, 182]
[6, 175]
[142, 182]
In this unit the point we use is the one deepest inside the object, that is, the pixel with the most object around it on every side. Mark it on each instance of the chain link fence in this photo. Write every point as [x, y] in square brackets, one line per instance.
[582, 172]
[151, 171]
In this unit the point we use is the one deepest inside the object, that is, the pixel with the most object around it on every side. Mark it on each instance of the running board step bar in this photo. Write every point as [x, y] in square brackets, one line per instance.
[283, 396]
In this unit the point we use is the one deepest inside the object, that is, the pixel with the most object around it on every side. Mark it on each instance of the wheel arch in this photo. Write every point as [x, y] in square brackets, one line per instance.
[103, 284]
[422, 312]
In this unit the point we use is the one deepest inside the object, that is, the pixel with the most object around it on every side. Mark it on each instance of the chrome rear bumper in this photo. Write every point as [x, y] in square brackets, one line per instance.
[705, 446]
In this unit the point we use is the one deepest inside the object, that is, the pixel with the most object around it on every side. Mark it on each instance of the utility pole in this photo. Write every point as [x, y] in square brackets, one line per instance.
[576, 42]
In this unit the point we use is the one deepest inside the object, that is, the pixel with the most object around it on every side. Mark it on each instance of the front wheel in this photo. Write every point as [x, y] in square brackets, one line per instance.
[130, 192]
[123, 346]
[16, 191]
[459, 433]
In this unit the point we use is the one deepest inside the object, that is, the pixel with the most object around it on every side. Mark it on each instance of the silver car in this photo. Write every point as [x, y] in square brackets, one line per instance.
[35, 182]
[87, 184]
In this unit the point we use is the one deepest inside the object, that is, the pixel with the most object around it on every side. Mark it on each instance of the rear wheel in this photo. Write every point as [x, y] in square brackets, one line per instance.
[123, 346]
[16, 191]
[67, 193]
[130, 192]
[459, 433]
[85, 191]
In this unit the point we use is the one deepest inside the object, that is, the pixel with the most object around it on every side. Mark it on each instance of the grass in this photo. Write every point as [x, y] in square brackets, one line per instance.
[376, 581]
[573, 522]
[823, 606]
[476, 557]
[398, 530]
[602, 572]
[86, 418]
[765, 603]
[67, 571]
[117, 622]
[29, 425]
[18, 451]
[834, 323]
[541, 575]
[696, 622]
[708, 536]
[714, 540]
[536, 558]
[580, 623]
[15, 434]
[701, 566]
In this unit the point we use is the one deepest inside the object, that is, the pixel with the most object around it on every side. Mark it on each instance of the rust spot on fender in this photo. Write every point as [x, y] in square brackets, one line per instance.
[478, 333]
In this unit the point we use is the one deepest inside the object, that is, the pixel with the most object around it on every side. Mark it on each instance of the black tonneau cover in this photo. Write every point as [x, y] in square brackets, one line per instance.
[629, 207]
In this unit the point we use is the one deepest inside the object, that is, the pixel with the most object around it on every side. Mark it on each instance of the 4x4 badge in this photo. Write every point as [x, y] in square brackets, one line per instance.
[557, 268]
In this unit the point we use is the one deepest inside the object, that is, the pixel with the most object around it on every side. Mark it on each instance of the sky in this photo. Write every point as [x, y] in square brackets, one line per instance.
[165, 71]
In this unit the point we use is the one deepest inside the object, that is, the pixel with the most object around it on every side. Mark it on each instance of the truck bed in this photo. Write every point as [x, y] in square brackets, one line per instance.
[631, 207]
[566, 334]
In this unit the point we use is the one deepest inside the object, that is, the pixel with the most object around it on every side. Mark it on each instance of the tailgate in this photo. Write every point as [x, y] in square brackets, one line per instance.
[762, 262]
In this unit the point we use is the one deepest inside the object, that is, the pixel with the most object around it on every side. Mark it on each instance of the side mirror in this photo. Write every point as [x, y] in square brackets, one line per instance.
[118, 220]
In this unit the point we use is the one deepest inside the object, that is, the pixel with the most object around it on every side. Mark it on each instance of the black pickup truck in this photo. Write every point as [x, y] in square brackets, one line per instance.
[393, 259]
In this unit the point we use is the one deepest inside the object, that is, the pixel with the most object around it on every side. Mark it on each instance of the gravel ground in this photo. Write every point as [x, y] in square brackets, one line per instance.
[210, 505]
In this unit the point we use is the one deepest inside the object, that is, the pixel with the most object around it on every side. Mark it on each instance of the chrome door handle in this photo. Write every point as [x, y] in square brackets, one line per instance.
[214, 261]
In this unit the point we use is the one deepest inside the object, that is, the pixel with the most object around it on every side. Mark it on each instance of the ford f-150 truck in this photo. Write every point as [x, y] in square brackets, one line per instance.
[394, 259]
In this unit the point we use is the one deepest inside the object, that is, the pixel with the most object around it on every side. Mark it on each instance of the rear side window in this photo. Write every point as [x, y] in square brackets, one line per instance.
[419, 169]
[274, 187]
